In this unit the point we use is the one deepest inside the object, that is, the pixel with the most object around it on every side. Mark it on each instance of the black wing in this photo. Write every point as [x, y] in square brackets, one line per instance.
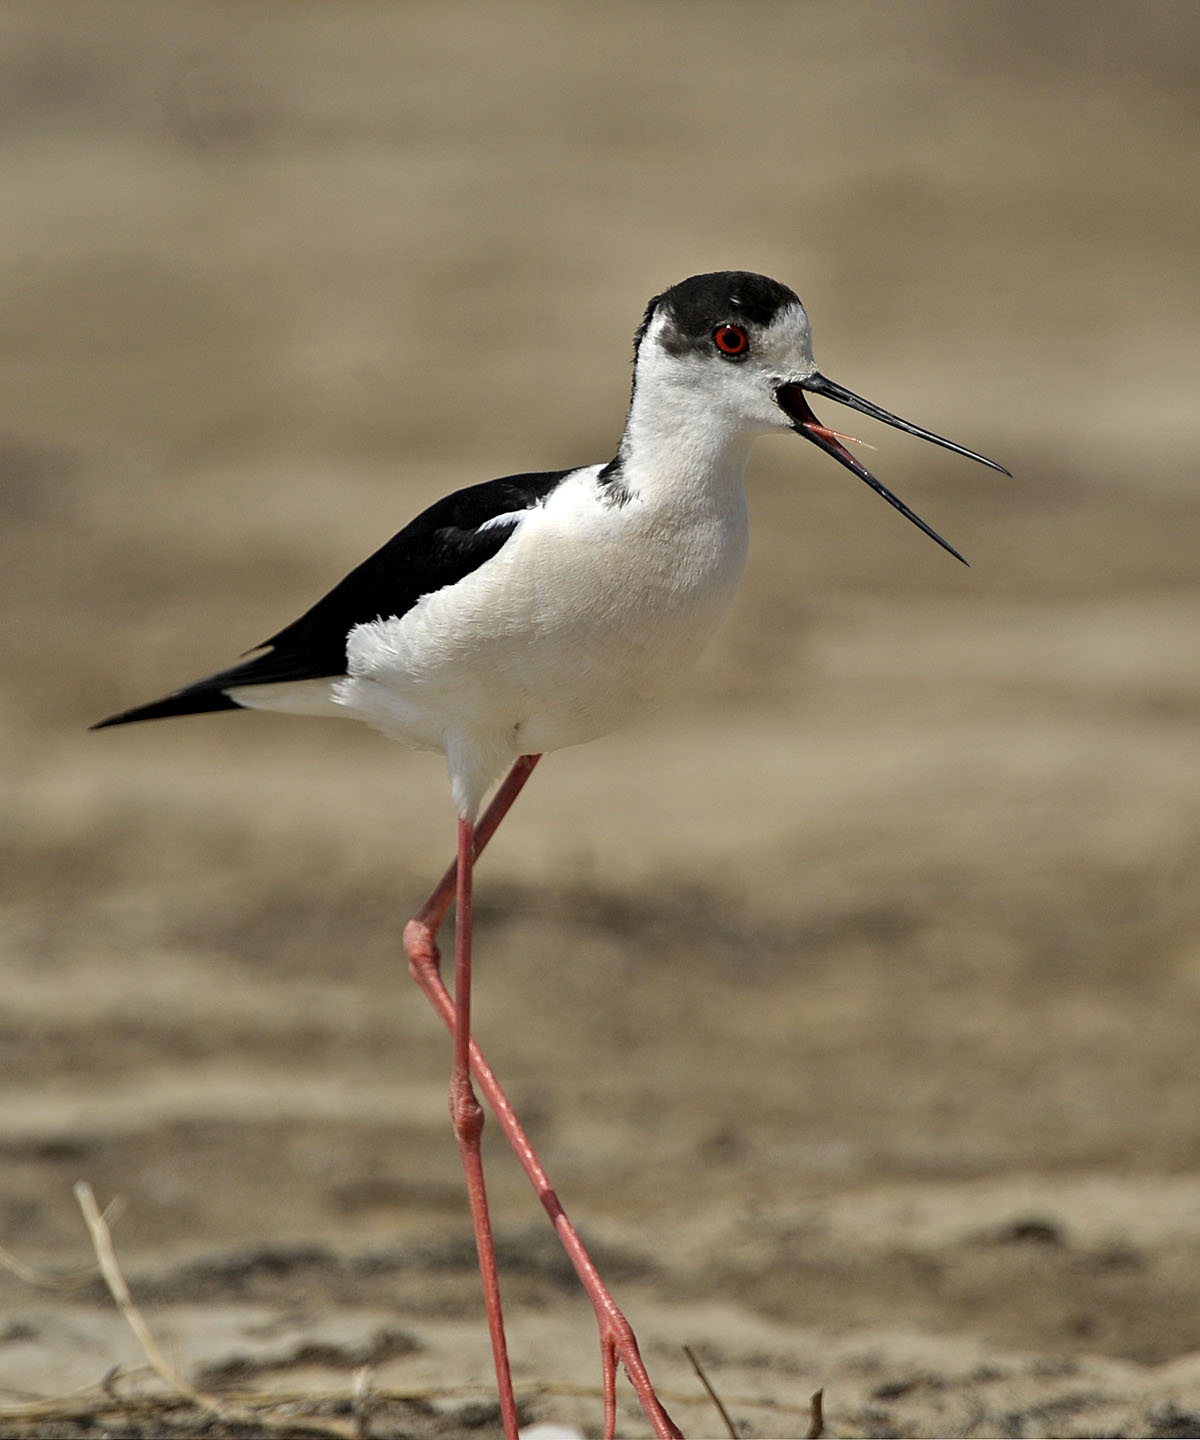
[439, 548]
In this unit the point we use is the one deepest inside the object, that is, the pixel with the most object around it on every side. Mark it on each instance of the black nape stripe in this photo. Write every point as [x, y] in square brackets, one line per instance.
[611, 481]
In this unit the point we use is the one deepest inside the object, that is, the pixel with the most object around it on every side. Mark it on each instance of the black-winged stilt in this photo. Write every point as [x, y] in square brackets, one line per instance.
[542, 610]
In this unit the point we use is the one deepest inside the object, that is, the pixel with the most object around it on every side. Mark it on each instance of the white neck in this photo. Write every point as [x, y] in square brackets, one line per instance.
[681, 444]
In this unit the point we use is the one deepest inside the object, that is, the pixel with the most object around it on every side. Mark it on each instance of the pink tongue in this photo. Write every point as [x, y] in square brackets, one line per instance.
[828, 434]
[795, 402]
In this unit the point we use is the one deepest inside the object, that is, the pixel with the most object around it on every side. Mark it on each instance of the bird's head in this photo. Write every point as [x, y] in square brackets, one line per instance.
[742, 345]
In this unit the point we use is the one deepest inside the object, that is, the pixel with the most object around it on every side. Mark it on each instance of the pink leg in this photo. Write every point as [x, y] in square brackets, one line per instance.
[617, 1340]
[467, 1115]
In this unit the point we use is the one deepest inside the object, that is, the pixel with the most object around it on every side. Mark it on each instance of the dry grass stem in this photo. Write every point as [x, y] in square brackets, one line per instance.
[113, 1278]
[712, 1394]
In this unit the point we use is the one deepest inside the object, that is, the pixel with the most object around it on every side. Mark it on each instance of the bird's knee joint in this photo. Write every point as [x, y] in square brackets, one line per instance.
[421, 949]
[465, 1111]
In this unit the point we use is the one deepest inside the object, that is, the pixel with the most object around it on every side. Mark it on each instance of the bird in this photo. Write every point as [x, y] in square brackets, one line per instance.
[542, 610]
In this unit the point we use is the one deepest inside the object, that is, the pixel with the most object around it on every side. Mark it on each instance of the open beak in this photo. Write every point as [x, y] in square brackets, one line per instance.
[792, 400]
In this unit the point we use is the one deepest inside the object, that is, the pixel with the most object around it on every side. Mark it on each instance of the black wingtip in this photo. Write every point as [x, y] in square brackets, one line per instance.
[185, 702]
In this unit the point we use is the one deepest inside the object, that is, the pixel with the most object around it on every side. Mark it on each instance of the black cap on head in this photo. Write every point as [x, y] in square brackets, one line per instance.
[702, 302]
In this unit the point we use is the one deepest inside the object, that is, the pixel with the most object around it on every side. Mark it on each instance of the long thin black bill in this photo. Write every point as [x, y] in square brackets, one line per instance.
[817, 384]
[792, 401]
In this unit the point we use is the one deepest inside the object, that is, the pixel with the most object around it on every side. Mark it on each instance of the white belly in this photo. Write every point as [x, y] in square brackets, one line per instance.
[583, 622]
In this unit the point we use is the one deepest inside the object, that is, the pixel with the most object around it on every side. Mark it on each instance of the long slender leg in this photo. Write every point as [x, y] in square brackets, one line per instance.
[433, 912]
[467, 1115]
[617, 1340]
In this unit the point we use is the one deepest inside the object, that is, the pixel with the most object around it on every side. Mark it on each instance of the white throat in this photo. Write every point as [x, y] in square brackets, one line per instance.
[681, 441]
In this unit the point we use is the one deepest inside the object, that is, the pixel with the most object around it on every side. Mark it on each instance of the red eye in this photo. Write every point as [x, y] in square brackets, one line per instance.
[731, 340]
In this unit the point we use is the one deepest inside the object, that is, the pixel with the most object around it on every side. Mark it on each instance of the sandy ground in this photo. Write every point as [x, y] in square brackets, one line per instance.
[853, 1002]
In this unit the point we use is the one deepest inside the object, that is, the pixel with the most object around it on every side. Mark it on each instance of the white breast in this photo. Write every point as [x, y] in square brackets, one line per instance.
[581, 623]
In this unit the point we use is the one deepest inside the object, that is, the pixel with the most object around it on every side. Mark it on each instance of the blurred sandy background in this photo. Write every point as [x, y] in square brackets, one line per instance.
[853, 1003]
